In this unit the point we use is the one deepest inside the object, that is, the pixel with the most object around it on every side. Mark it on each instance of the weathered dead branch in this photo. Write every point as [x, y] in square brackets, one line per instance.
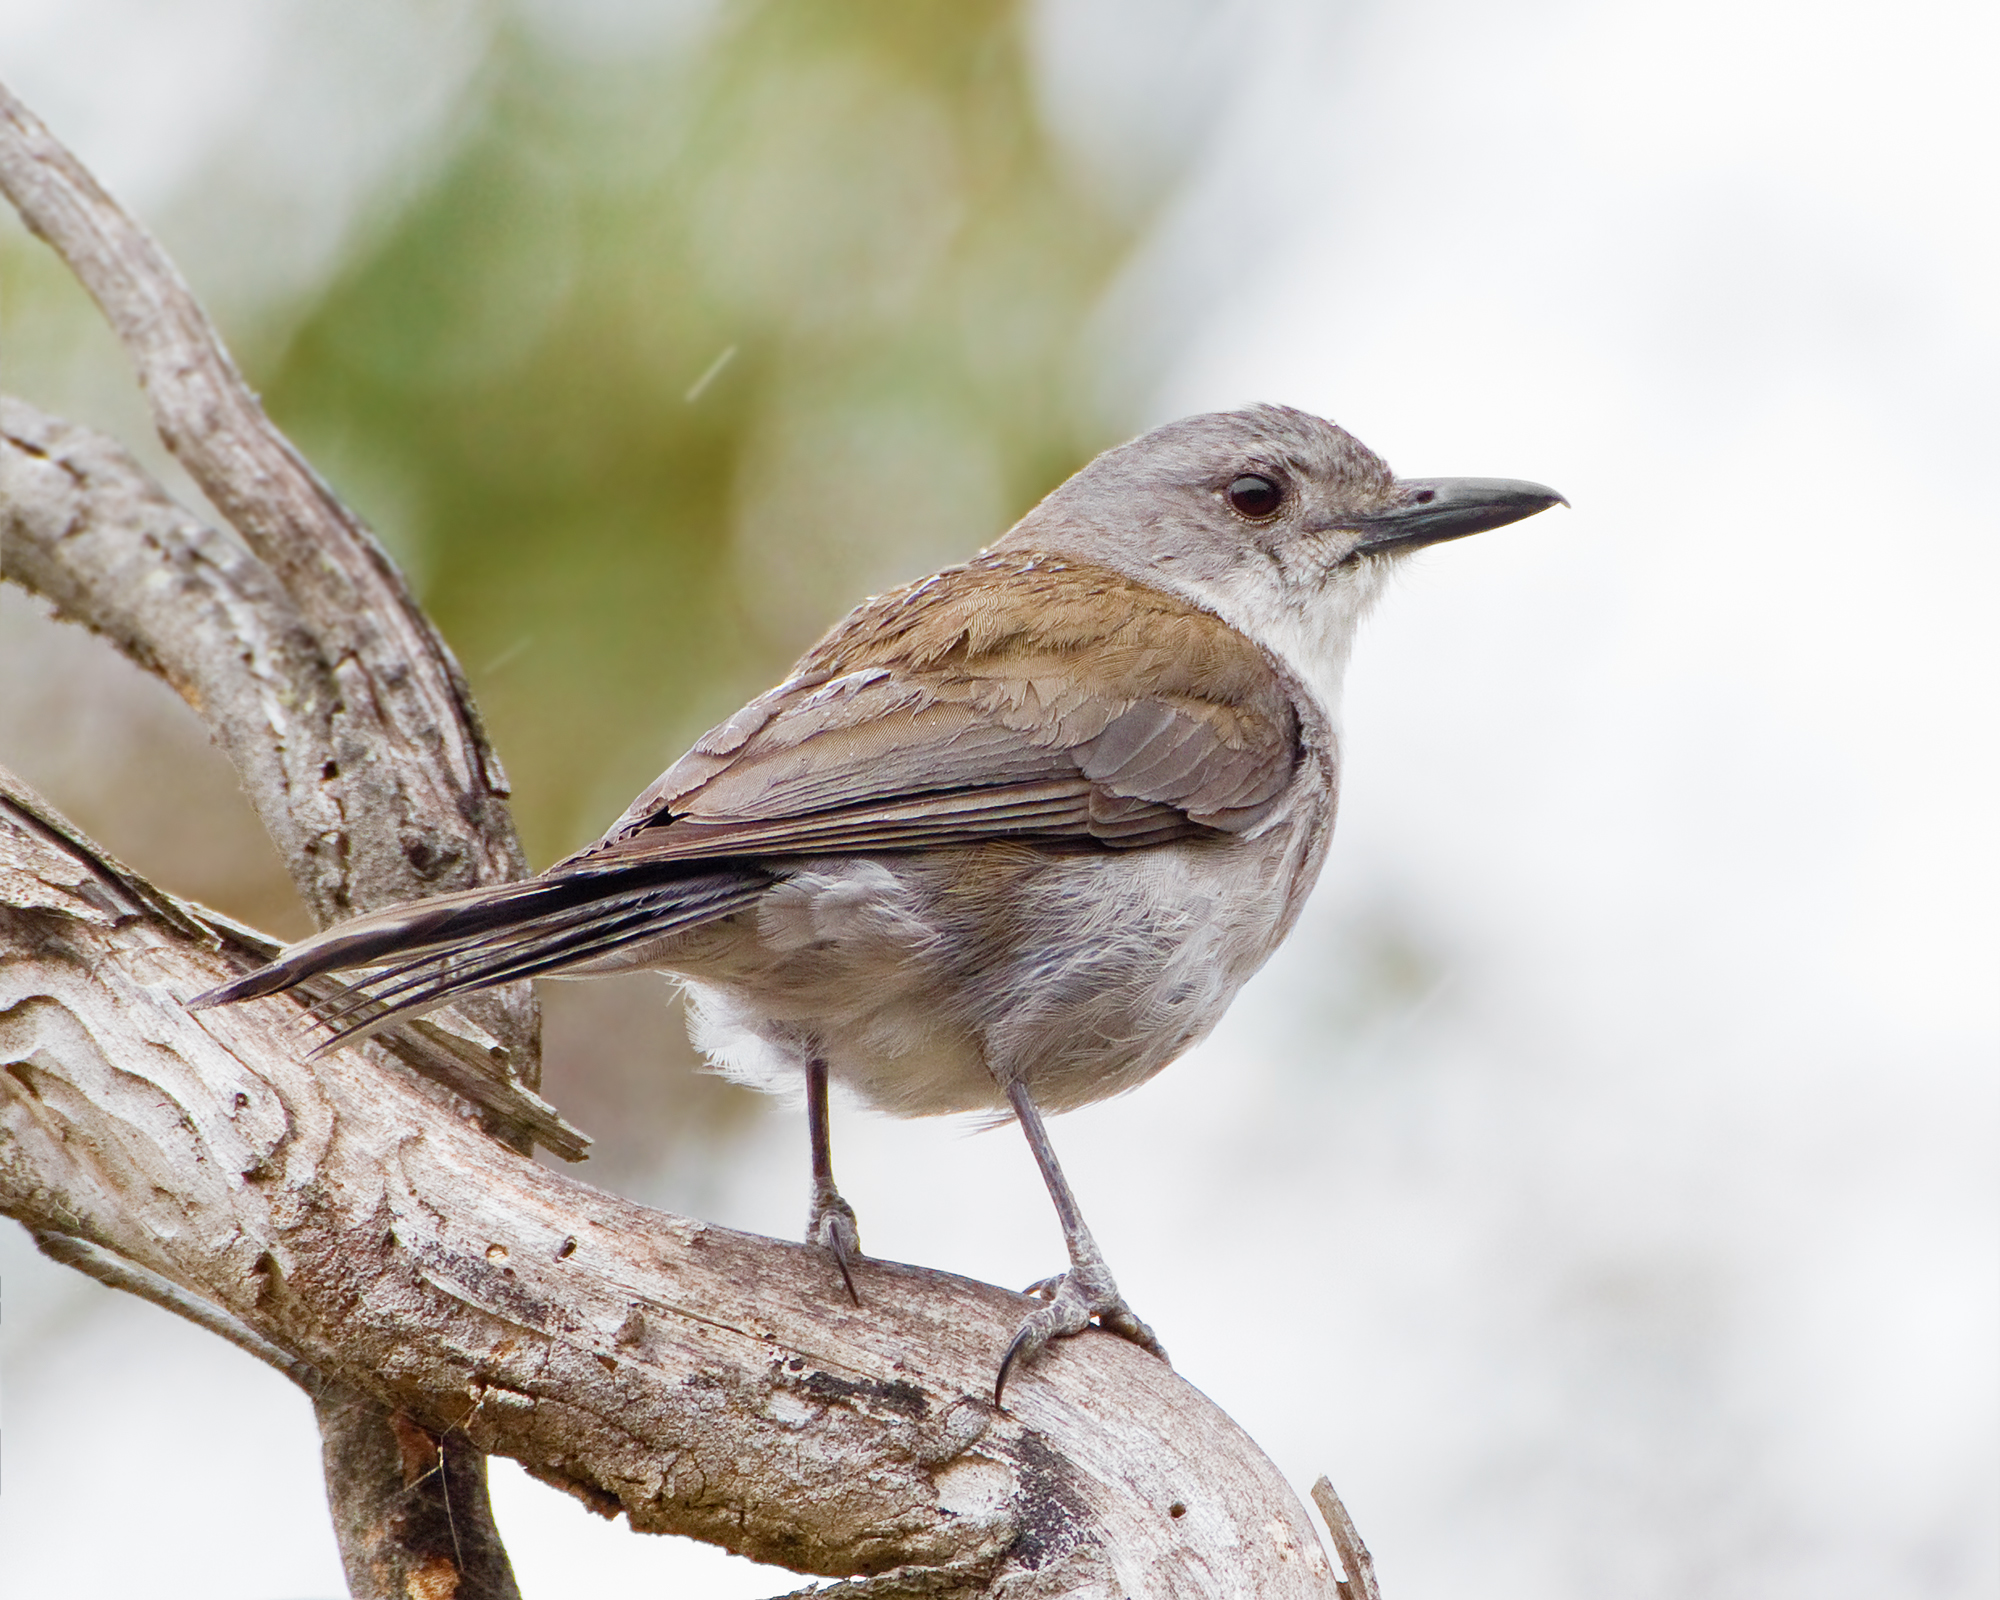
[364, 756]
[440, 1294]
[699, 1380]
[419, 795]
[83, 525]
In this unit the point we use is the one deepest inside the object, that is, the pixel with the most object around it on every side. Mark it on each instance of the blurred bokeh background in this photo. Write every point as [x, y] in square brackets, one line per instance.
[1600, 1186]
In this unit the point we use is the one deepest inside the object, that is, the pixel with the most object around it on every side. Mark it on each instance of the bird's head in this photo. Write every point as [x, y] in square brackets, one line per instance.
[1281, 523]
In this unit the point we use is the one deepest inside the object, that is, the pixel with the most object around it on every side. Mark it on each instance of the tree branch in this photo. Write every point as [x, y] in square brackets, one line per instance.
[83, 525]
[1356, 1562]
[84, 1257]
[435, 1537]
[381, 789]
[392, 789]
[701, 1381]
[422, 794]
[441, 1294]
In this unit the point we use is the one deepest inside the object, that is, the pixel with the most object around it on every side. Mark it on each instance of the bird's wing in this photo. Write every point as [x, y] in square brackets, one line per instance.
[988, 701]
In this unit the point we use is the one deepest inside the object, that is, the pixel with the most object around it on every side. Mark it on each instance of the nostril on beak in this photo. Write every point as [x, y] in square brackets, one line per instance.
[1424, 497]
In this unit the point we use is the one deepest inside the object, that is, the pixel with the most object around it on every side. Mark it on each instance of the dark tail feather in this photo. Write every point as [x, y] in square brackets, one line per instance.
[456, 960]
[429, 980]
[477, 938]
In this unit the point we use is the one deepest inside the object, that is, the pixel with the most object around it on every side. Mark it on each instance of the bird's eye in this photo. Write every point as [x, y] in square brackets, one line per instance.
[1255, 496]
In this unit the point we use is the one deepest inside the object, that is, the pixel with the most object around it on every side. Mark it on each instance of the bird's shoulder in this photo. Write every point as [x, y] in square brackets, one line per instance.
[1016, 614]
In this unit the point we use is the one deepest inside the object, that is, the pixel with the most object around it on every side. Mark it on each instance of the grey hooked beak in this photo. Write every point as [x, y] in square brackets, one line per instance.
[1431, 510]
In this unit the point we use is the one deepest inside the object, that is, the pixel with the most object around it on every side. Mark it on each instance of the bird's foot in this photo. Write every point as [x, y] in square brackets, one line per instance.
[830, 1224]
[1084, 1292]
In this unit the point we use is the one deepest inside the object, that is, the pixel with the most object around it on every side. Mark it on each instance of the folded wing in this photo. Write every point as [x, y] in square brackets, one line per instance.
[989, 702]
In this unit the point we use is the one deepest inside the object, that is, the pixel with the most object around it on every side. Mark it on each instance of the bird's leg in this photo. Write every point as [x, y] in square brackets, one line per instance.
[1087, 1290]
[830, 1223]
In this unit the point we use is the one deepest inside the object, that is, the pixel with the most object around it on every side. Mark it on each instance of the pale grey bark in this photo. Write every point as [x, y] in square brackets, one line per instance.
[420, 794]
[363, 754]
[700, 1380]
[1357, 1565]
[84, 526]
[441, 1294]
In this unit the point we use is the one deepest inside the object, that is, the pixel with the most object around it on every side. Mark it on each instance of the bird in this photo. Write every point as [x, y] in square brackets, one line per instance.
[1008, 839]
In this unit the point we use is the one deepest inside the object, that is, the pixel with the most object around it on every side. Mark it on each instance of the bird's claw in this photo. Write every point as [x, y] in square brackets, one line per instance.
[1084, 1292]
[830, 1224]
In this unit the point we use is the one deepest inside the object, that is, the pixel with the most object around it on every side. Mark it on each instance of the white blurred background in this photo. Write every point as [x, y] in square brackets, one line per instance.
[1601, 1185]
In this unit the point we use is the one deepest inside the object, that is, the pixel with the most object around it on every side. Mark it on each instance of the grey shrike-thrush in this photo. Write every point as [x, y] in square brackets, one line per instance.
[1007, 839]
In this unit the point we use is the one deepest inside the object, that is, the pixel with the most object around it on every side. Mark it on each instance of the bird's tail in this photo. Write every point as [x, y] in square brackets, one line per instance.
[430, 951]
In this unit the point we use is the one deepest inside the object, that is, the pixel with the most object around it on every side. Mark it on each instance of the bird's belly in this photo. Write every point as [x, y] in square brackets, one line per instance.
[929, 982]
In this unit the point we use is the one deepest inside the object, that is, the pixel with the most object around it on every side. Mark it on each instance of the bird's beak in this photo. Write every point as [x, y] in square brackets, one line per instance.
[1431, 510]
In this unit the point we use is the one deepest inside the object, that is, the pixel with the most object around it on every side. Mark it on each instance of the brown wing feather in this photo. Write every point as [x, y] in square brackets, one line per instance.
[987, 701]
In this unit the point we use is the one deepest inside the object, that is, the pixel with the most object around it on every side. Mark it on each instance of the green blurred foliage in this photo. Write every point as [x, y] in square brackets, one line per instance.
[859, 203]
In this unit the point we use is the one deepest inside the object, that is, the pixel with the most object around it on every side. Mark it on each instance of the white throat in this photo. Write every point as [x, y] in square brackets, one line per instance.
[1310, 628]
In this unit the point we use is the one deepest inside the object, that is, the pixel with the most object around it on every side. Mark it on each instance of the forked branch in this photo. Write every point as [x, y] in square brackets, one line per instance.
[441, 1294]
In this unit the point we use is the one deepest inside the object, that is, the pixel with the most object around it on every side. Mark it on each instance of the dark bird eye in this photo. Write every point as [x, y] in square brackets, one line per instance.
[1255, 496]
